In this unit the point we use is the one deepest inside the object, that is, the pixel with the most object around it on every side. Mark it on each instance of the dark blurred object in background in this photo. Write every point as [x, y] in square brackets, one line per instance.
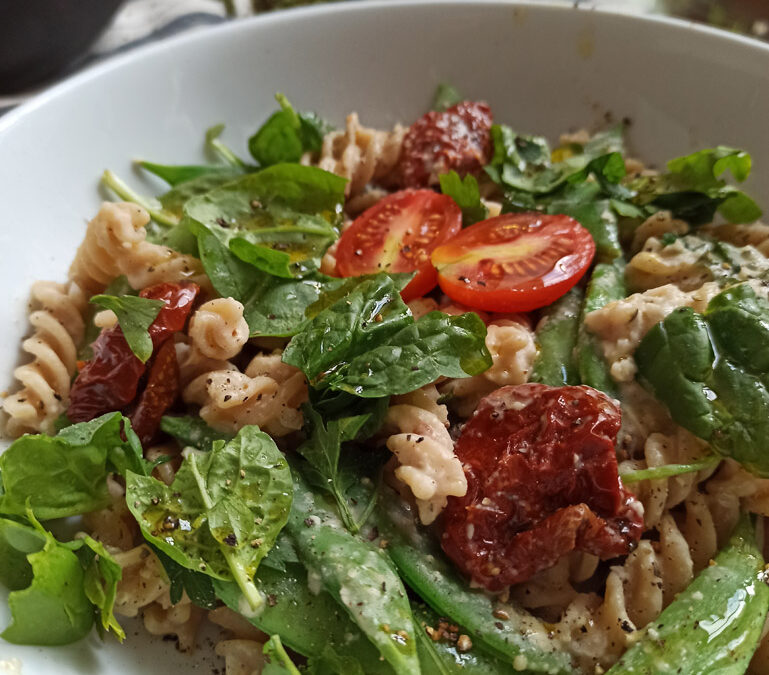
[40, 38]
[744, 16]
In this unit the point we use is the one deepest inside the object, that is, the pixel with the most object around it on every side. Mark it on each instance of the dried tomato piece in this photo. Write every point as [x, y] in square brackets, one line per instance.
[159, 393]
[542, 481]
[459, 139]
[110, 380]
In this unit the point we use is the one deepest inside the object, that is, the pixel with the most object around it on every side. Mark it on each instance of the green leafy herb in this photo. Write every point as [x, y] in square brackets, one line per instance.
[368, 344]
[135, 315]
[322, 449]
[101, 576]
[176, 174]
[192, 431]
[276, 661]
[174, 200]
[446, 95]
[223, 511]
[216, 147]
[199, 586]
[66, 474]
[467, 196]
[693, 189]
[287, 135]
[712, 372]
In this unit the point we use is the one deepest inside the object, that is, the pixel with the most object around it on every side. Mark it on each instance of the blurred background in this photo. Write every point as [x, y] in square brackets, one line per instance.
[42, 41]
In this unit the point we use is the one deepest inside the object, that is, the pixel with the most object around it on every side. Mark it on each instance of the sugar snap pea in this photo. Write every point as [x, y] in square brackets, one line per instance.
[713, 626]
[357, 574]
[556, 339]
[507, 632]
[606, 284]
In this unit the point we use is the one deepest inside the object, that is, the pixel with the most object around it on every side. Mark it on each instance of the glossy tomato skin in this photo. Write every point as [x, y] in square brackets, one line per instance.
[515, 262]
[398, 234]
[110, 380]
[542, 481]
[458, 138]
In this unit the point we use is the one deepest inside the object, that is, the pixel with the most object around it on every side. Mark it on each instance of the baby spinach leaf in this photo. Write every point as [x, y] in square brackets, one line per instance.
[199, 586]
[358, 575]
[17, 541]
[135, 315]
[467, 196]
[223, 511]
[368, 344]
[176, 174]
[113, 182]
[322, 449]
[192, 431]
[65, 475]
[287, 135]
[693, 188]
[217, 148]
[446, 95]
[712, 372]
[101, 576]
[52, 608]
[276, 661]
[174, 200]
[276, 263]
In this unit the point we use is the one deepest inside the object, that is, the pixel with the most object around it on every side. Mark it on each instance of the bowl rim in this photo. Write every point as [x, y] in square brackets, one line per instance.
[115, 63]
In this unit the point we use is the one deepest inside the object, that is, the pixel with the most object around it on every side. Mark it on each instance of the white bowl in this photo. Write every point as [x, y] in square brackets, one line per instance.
[543, 68]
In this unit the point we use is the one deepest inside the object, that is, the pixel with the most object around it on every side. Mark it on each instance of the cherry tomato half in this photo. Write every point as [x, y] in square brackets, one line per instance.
[398, 234]
[515, 262]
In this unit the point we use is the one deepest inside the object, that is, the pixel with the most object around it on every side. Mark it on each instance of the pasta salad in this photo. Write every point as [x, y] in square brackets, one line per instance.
[434, 399]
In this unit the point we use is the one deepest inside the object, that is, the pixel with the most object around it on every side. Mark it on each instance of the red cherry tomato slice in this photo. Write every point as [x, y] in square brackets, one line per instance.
[515, 262]
[458, 138]
[542, 481]
[398, 234]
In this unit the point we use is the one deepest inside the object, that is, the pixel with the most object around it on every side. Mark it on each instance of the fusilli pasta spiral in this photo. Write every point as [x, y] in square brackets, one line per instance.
[115, 243]
[218, 330]
[58, 324]
[420, 441]
[360, 154]
[269, 394]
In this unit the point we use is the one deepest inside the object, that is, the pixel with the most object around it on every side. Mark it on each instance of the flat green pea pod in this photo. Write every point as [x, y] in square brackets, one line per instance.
[357, 574]
[713, 626]
[556, 339]
[507, 632]
[606, 285]
[312, 624]
[451, 655]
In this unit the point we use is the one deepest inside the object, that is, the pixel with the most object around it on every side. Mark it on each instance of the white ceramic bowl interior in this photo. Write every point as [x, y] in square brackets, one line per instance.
[543, 68]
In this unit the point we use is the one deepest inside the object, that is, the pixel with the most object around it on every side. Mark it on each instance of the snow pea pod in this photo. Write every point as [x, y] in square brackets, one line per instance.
[357, 574]
[508, 632]
[607, 284]
[309, 623]
[713, 626]
[556, 338]
[444, 657]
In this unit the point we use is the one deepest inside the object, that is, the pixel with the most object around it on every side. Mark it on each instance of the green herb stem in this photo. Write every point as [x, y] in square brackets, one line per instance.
[122, 190]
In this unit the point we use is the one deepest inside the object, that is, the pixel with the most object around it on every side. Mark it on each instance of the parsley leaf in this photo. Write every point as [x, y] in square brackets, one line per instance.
[135, 315]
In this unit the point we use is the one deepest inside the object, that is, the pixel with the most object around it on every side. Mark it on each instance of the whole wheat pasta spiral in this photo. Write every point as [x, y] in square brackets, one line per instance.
[360, 154]
[115, 244]
[424, 450]
[218, 330]
[269, 394]
[513, 350]
[45, 381]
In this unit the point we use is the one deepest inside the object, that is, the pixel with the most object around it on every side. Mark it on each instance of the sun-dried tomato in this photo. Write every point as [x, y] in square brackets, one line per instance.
[110, 380]
[542, 481]
[159, 393]
[458, 139]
